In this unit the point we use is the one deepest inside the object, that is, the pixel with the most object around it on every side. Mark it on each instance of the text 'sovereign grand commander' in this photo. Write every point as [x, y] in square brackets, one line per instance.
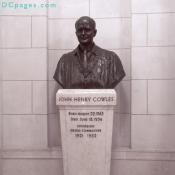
[88, 66]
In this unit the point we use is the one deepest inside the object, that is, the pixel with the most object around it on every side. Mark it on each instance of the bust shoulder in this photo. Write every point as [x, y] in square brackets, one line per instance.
[108, 54]
[67, 57]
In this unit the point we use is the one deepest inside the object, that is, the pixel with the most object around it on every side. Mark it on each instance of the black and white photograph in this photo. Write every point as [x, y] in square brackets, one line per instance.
[87, 87]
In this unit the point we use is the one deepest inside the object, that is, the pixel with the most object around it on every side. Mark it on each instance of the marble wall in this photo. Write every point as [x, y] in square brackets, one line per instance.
[23, 72]
[153, 74]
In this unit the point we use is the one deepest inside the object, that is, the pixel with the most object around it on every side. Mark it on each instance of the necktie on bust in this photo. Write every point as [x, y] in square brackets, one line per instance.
[85, 59]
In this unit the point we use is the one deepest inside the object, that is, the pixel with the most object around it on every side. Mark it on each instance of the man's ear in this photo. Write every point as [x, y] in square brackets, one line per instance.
[95, 32]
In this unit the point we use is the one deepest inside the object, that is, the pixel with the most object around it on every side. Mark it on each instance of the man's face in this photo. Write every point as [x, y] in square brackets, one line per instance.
[85, 32]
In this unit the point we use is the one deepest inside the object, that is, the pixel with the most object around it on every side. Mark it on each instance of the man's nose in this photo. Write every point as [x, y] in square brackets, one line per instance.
[83, 32]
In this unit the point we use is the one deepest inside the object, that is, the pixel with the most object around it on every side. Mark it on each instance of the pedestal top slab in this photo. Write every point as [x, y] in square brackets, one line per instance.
[87, 97]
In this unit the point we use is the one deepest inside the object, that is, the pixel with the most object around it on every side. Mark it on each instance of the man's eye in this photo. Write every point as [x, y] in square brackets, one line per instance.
[88, 30]
[83, 30]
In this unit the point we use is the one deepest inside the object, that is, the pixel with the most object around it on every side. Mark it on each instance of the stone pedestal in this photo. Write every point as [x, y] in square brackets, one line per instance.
[86, 128]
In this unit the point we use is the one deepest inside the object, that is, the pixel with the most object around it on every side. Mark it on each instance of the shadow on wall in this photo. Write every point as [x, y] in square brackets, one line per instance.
[54, 132]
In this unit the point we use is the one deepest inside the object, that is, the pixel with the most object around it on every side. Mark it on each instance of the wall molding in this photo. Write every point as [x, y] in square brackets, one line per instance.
[117, 154]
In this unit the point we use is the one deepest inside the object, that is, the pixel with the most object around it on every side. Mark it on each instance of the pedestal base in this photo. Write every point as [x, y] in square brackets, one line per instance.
[86, 128]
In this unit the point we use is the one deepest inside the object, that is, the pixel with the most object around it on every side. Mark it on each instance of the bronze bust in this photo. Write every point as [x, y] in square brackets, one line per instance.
[88, 66]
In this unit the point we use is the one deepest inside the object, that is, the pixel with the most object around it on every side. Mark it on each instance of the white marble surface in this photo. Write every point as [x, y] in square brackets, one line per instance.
[139, 29]
[153, 132]
[24, 64]
[59, 36]
[20, 36]
[39, 96]
[24, 132]
[153, 6]
[86, 128]
[161, 29]
[69, 9]
[110, 8]
[113, 33]
[17, 97]
[158, 63]
[161, 97]
[39, 31]
[139, 97]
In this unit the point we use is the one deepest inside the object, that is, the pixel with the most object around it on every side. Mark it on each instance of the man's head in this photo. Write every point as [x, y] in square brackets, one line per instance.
[85, 30]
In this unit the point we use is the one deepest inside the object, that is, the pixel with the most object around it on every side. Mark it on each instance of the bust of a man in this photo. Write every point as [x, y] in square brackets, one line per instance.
[88, 66]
